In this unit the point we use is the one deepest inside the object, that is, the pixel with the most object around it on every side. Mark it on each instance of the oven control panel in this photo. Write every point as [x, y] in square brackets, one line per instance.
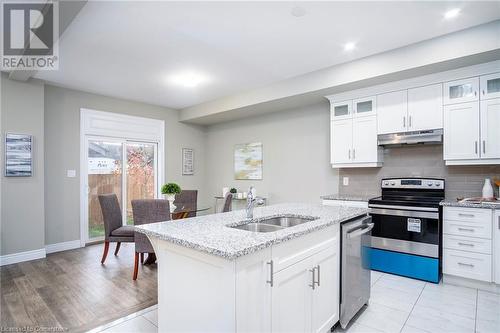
[416, 183]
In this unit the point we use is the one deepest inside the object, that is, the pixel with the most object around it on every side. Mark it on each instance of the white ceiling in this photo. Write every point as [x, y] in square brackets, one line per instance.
[129, 49]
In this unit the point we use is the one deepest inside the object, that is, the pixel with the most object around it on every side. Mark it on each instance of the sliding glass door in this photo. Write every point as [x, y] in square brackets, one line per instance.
[126, 168]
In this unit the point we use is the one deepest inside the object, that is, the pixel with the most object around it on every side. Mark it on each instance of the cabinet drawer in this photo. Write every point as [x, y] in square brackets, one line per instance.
[295, 250]
[457, 228]
[468, 244]
[468, 265]
[469, 215]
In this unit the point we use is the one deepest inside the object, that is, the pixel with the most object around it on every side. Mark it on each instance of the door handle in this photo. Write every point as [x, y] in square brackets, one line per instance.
[313, 284]
[319, 275]
[464, 264]
[465, 244]
[475, 146]
[484, 146]
[466, 229]
[271, 273]
[409, 121]
[360, 231]
[353, 153]
[404, 121]
[466, 215]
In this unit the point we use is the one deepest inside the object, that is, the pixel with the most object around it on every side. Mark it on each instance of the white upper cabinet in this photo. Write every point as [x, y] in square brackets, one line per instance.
[490, 86]
[364, 106]
[461, 131]
[425, 108]
[460, 91]
[490, 128]
[392, 112]
[364, 140]
[341, 141]
[341, 110]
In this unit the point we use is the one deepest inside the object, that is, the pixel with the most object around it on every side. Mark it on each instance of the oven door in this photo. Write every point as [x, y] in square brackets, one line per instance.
[407, 231]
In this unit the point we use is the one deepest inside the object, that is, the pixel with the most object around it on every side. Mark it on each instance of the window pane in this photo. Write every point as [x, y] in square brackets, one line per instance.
[493, 86]
[104, 176]
[141, 176]
[341, 110]
[463, 90]
[364, 106]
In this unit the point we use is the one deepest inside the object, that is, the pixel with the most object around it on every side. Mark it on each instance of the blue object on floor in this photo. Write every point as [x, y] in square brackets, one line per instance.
[418, 267]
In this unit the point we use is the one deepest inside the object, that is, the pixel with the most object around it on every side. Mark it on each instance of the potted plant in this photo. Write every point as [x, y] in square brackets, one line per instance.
[233, 190]
[170, 190]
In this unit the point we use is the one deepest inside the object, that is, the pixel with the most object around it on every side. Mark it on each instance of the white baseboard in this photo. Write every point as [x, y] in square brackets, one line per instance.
[21, 256]
[64, 246]
[464, 282]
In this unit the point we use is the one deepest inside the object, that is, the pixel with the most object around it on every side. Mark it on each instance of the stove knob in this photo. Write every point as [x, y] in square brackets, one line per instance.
[437, 183]
[429, 184]
[393, 183]
[386, 183]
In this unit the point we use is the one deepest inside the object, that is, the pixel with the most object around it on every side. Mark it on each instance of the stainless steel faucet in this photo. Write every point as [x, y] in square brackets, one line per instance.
[251, 201]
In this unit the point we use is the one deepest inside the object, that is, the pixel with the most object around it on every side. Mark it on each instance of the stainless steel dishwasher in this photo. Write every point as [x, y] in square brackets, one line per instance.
[355, 267]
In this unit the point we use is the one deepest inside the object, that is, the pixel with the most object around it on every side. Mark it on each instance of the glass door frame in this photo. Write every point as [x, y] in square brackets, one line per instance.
[124, 197]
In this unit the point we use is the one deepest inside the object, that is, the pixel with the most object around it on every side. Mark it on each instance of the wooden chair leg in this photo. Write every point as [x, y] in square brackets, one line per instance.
[136, 266]
[142, 258]
[117, 248]
[105, 253]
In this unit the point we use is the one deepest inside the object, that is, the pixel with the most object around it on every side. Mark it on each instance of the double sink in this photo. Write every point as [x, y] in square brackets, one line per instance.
[274, 223]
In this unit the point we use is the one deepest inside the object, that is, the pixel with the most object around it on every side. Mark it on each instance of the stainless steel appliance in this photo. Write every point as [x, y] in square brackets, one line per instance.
[355, 268]
[407, 233]
[411, 138]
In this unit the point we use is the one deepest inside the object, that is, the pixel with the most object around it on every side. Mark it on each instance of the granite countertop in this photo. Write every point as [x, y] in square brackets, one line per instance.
[210, 234]
[341, 197]
[455, 203]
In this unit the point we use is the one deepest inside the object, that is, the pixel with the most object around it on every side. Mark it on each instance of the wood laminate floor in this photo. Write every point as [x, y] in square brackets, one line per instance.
[73, 291]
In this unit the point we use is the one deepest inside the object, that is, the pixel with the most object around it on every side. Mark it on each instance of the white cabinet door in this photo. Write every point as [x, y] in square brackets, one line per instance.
[425, 108]
[364, 140]
[490, 86]
[460, 91]
[461, 131]
[490, 128]
[341, 110]
[253, 292]
[325, 305]
[364, 106]
[341, 141]
[392, 112]
[291, 298]
[496, 244]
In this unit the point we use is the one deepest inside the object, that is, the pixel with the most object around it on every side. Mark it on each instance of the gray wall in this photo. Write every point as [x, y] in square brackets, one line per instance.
[22, 202]
[418, 161]
[62, 145]
[296, 153]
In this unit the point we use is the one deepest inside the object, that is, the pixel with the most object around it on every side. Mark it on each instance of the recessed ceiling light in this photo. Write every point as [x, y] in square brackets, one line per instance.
[349, 46]
[452, 13]
[298, 11]
[187, 79]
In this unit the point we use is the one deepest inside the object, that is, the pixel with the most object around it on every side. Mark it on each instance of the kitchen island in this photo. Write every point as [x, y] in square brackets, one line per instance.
[214, 276]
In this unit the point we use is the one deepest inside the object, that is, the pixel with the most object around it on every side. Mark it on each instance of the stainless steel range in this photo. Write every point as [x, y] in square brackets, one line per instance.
[407, 232]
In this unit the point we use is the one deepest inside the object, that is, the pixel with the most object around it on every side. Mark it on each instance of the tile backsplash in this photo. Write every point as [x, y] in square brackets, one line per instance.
[418, 161]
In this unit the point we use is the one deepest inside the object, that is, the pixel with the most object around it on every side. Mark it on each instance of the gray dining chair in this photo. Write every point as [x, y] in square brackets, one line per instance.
[228, 203]
[114, 230]
[187, 198]
[147, 211]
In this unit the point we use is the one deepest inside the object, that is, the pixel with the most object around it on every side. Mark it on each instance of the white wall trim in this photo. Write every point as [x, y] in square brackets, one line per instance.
[64, 246]
[14, 258]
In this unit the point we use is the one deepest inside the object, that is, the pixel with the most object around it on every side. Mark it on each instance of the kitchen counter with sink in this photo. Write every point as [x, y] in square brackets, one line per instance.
[229, 235]
[276, 272]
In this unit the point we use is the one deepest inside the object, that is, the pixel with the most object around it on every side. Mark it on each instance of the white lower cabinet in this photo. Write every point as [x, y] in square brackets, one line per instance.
[467, 243]
[496, 239]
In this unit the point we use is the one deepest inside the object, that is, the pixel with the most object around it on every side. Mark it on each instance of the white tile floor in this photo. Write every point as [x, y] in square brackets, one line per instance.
[397, 304]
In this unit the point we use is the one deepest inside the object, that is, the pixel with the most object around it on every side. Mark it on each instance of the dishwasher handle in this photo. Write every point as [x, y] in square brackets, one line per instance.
[360, 231]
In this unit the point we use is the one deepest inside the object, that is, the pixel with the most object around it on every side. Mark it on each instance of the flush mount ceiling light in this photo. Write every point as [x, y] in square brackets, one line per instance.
[452, 13]
[188, 79]
[349, 46]
[298, 11]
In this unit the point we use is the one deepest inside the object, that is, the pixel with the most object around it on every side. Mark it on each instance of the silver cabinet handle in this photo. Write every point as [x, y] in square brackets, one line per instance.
[349, 153]
[466, 244]
[498, 221]
[404, 121]
[475, 146]
[484, 92]
[484, 146]
[319, 274]
[271, 273]
[466, 229]
[464, 264]
[467, 215]
[475, 93]
[313, 284]
[353, 153]
[409, 121]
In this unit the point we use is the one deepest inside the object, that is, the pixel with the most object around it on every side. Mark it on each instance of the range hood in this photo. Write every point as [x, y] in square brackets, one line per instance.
[411, 138]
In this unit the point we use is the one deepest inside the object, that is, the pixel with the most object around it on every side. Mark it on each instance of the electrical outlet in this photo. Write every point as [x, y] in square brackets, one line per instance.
[345, 181]
[71, 173]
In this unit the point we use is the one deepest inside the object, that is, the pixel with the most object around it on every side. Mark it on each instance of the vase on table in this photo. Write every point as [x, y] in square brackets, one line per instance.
[487, 189]
[171, 199]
